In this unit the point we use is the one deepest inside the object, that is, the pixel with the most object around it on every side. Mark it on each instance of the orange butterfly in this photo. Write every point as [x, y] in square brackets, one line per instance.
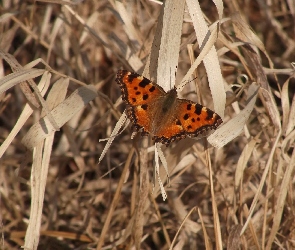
[163, 115]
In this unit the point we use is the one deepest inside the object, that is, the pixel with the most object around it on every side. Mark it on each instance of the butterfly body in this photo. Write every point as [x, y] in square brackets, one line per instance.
[161, 114]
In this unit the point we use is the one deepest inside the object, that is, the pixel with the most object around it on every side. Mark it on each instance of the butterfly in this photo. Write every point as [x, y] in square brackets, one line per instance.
[161, 114]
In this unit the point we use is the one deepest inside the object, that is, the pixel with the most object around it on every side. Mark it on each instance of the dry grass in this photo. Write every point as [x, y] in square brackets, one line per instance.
[55, 195]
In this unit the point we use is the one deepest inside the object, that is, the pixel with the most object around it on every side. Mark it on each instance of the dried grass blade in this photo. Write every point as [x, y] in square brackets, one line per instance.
[26, 113]
[262, 181]
[183, 163]
[57, 93]
[219, 6]
[252, 228]
[216, 221]
[170, 43]
[39, 171]
[257, 70]
[234, 127]
[233, 242]
[157, 173]
[131, 58]
[182, 224]
[291, 118]
[15, 66]
[12, 79]
[114, 133]
[243, 160]
[280, 203]
[62, 113]
[25, 88]
[128, 23]
[181, 211]
[61, 2]
[38, 184]
[91, 21]
[142, 198]
[211, 61]
[206, 47]
[245, 33]
[37, 192]
[114, 201]
[151, 67]
[285, 106]
[206, 238]
[164, 162]
[161, 219]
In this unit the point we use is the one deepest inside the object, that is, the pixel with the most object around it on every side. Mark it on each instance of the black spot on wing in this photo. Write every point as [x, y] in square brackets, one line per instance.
[152, 89]
[186, 116]
[198, 110]
[132, 76]
[144, 106]
[144, 83]
[210, 114]
[189, 106]
[145, 97]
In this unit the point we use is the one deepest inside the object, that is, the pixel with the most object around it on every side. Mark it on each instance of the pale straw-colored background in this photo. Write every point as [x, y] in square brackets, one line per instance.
[63, 187]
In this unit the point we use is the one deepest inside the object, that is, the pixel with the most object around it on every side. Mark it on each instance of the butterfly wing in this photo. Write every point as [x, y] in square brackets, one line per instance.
[195, 118]
[188, 119]
[140, 94]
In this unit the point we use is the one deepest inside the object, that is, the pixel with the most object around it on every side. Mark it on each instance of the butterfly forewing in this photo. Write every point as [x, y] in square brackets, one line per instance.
[138, 90]
[141, 96]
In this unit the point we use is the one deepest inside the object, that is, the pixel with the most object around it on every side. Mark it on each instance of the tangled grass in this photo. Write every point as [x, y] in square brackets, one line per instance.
[63, 187]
